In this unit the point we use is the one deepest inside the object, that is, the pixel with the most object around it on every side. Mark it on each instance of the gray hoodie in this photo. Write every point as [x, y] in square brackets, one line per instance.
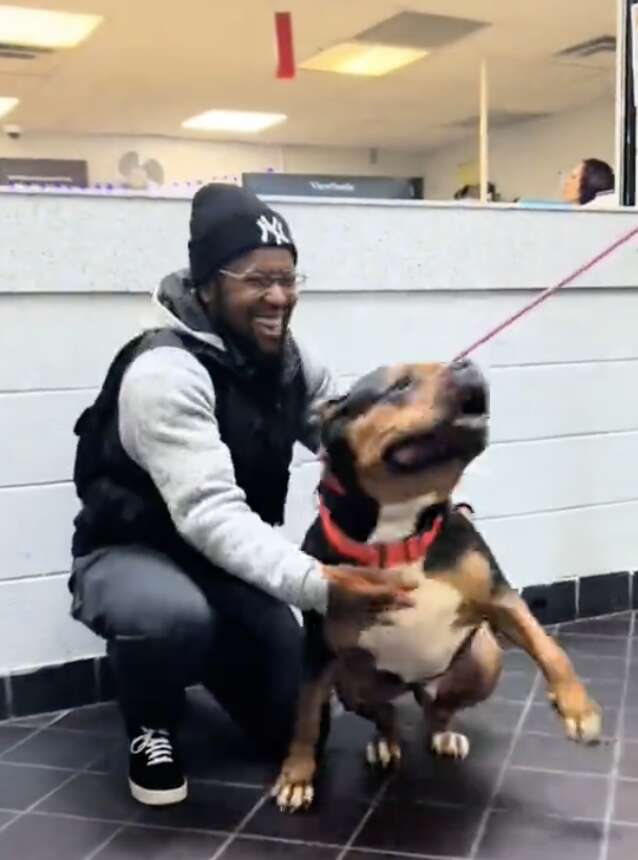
[167, 425]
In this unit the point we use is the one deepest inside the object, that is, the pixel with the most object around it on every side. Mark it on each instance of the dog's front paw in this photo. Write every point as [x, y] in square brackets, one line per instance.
[581, 715]
[383, 753]
[450, 745]
[294, 789]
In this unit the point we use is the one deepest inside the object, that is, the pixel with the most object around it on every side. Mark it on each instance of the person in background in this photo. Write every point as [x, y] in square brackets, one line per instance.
[473, 192]
[182, 471]
[590, 183]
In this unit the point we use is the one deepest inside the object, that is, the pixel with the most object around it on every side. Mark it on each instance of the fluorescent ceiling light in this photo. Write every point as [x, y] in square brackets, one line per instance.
[7, 103]
[43, 28]
[354, 58]
[233, 120]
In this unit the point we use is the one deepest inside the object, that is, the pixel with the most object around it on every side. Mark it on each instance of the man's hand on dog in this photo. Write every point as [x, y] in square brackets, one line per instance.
[361, 596]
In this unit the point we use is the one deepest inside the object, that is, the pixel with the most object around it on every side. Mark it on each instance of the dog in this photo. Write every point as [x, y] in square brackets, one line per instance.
[394, 448]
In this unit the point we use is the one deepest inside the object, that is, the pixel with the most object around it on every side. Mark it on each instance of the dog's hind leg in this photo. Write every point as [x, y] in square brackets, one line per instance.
[470, 679]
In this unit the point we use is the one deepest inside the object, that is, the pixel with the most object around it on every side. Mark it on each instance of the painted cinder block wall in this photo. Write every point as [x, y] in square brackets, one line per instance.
[557, 492]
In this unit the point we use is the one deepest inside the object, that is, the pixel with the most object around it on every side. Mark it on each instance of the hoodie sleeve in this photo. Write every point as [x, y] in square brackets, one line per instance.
[321, 386]
[167, 425]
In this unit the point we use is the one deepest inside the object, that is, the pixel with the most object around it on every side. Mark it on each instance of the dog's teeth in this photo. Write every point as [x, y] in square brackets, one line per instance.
[371, 753]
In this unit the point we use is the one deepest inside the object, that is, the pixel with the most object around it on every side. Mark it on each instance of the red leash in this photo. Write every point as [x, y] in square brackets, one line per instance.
[546, 294]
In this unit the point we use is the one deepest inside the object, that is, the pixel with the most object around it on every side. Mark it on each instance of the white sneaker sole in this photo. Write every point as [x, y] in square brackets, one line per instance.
[166, 797]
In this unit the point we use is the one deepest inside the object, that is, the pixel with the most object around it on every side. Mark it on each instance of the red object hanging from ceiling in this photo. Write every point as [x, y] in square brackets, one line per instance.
[285, 49]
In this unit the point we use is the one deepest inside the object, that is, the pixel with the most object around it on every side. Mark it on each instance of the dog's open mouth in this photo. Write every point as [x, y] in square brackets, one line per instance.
[462, 440]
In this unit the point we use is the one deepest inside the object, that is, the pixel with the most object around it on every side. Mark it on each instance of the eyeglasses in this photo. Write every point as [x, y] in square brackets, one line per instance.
[263, 281]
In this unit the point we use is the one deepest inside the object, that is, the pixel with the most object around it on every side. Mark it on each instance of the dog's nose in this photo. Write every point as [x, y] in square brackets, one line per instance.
[471, 386]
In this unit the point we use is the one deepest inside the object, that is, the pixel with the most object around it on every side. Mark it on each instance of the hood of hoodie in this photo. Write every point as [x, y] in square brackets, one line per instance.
[176, 305]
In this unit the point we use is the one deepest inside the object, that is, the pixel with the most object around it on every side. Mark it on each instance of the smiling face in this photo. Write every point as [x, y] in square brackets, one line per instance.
[254, 298]
[409, 430]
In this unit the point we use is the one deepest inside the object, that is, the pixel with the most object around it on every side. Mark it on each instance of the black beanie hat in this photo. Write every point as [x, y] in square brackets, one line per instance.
[228, 221]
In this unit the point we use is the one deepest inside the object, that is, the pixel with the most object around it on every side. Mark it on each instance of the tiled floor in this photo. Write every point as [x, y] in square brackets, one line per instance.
[525, 793]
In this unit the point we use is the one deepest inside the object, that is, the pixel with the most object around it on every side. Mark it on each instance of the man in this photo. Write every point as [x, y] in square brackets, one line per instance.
[182, 468]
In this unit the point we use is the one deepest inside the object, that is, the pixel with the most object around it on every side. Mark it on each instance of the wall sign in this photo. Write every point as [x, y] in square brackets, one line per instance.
[44, 171]
[320, 185]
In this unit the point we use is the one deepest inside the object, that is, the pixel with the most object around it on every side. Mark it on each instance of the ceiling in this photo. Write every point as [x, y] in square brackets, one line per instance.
[151, 65]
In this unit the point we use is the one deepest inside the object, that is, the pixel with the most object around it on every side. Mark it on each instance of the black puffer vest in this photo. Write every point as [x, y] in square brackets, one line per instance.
[120, 503]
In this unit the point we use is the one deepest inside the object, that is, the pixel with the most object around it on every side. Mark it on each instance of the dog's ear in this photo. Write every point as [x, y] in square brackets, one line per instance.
[327, 410]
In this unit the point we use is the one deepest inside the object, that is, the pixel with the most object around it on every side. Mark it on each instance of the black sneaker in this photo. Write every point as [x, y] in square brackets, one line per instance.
[155, 775]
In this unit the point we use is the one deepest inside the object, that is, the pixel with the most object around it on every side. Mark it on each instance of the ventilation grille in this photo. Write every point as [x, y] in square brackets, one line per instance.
[419, 30]
[22, 52]
[590, 48]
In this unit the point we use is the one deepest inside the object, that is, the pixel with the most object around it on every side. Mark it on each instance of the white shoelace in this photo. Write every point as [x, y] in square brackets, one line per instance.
[156, 744]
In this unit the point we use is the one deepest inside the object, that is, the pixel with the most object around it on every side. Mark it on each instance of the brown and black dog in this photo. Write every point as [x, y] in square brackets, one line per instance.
[395, 447]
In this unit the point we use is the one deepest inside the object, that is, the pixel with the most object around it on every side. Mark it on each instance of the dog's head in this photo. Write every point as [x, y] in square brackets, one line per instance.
[407, 431]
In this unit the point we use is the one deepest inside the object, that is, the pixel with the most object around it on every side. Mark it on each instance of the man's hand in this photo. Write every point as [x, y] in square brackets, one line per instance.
[359, 597]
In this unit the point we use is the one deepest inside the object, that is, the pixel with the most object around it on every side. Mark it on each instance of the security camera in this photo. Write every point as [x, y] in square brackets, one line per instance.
[14, 132]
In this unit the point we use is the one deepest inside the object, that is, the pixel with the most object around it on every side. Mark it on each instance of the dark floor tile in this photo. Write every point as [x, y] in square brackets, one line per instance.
[596, 669]
[603, 594]
[521, 836]
[542, 717]
[93, 796]
[419, 829]
[231, 761]
[347, 775]
[623, 843]
[549, 753]
[252, 849]
[349, 731]
[331, 820]
[631, 700]
[5, 817]
[630, 724]
[463, 783]
[57, 749]
[626, 804]
[514, 686]
[20, 787]
[606, 691]
[97, 719]
[11, 735]
[53, 688]
[595, 646]
[149, 843]
[628, 760]
[113, 759]
[42, 837]
[538, 793]
[611, 625]
[37, 721]
[4, 704]
[492, 716]
[362, 854]
[209, 807]
[515, 660]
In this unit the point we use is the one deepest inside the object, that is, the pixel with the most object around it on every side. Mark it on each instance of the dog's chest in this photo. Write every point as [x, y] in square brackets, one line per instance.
[422, 640]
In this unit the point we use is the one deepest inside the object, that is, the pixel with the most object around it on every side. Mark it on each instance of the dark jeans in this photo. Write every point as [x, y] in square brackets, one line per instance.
[167, 629]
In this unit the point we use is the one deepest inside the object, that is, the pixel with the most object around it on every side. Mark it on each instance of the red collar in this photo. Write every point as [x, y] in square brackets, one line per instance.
[381, 555]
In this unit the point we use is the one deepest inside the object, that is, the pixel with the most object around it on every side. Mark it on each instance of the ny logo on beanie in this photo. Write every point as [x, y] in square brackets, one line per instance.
[274, 228]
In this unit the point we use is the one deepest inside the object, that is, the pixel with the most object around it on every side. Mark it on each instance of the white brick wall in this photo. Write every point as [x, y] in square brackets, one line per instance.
[557, 490]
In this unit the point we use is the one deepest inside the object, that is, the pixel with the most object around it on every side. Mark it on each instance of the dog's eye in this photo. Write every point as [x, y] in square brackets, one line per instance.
[402, 385]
